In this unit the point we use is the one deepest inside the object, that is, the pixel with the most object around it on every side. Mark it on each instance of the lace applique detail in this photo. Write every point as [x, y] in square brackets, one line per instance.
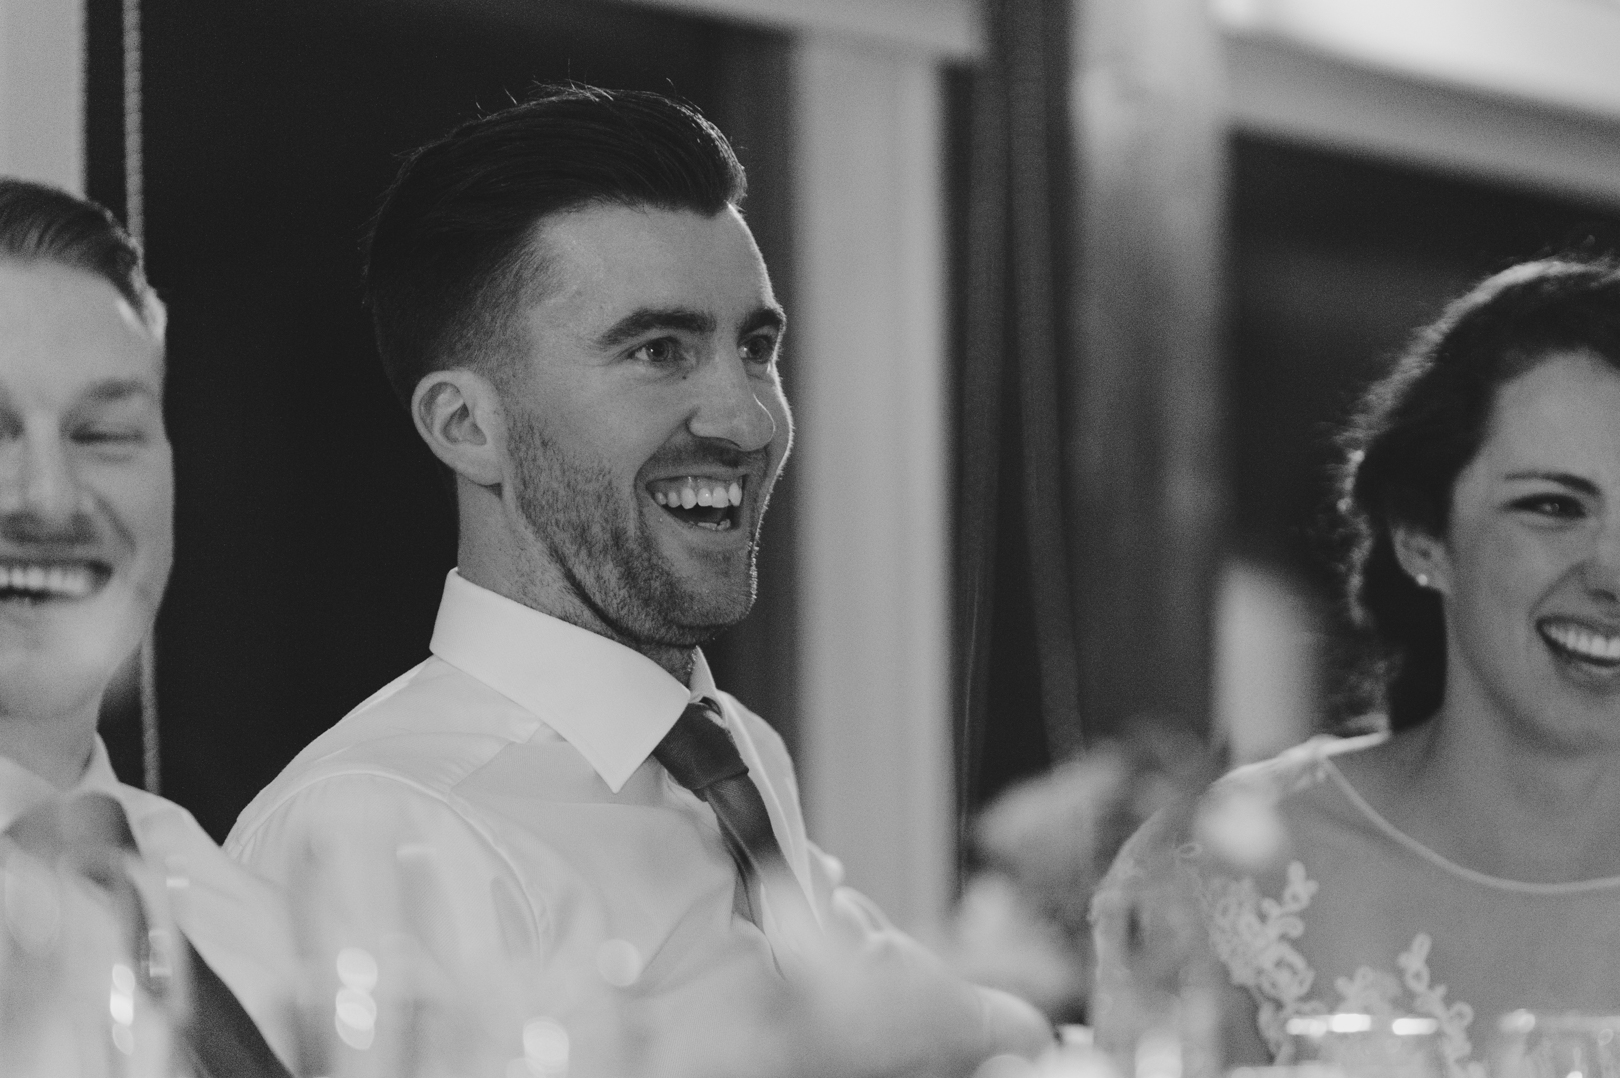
[1370, 991]
[1379, 993]
[1251, 935]
[1430, 999]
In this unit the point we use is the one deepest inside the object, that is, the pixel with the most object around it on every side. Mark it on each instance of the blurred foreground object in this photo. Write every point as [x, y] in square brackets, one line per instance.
[1530, 1045]
[392, 986]
[94, 982]
[1024, 922]
[871, 1005]
[389, 986]
[1390, 1046]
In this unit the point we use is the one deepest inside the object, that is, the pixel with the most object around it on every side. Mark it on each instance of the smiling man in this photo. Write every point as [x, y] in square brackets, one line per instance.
[568, 301]
[86, 540]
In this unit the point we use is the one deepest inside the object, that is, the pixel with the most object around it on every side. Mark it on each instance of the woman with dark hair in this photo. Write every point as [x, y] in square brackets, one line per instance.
[1464, 861]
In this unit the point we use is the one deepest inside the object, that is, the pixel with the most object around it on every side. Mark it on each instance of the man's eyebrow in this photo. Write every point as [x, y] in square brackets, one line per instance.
[114, 390]
[764, 318]
[1565, 479]
[648, 319]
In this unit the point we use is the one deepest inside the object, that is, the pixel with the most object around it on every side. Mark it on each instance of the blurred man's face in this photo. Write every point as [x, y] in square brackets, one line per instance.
[86, 489]
[647, 419]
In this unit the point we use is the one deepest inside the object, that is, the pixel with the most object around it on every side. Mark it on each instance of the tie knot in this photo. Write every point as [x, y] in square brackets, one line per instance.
[698, 752]
[86, 822]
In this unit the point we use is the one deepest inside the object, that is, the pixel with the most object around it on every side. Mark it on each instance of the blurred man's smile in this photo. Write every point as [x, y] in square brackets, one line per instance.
[41, 581]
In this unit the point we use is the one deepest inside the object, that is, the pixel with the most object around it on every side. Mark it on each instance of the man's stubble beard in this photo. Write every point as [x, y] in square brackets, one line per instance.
[609, 563]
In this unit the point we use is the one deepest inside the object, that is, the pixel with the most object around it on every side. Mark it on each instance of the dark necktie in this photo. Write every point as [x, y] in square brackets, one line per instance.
[220, 1039]
[699, 753]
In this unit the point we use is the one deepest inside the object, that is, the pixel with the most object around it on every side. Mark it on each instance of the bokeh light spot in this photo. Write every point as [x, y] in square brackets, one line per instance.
[619, 963]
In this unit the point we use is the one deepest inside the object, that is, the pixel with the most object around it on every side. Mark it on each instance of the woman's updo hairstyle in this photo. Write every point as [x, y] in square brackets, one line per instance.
[1417, 429]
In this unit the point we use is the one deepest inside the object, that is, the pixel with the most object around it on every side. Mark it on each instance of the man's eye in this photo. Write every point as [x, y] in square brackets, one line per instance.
[664, 350]
[108, 436]
[759, 349]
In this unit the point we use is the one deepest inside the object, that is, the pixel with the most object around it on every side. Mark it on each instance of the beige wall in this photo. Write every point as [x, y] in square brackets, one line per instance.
[868, 370]
[1523, 92]
[42, 91]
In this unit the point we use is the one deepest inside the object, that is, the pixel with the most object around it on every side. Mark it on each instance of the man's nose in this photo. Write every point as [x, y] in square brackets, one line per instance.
[730, 407]
[37, 477]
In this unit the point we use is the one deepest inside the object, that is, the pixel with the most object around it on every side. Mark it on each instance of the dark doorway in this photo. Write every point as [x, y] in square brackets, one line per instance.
[1337, 259]
[313, 533]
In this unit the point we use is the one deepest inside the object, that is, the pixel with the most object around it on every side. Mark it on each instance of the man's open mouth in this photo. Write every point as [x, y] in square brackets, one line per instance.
[714, 504]
[1581, 643]
[46, 581]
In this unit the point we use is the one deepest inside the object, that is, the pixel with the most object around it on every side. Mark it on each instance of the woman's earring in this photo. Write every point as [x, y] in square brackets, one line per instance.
[1422, 580]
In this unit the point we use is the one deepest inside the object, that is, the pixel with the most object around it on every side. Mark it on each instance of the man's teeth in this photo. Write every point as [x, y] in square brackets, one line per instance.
[695, 492]
[55, 581]
[1587, 644]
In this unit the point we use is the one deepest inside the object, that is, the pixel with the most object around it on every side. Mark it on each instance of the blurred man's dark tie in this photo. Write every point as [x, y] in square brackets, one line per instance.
[219, 1037]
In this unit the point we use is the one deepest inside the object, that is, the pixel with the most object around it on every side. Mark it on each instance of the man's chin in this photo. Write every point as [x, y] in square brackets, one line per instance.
[48, 682]
[695, 615]
[697, 624]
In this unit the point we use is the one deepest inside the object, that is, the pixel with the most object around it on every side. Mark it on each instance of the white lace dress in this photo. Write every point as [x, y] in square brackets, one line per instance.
[1357, 916]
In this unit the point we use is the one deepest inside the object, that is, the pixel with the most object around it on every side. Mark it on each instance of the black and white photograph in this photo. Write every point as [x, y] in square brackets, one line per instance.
[809, 538]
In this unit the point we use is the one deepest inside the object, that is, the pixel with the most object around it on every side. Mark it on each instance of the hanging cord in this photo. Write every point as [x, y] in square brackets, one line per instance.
[135, 221]
[151, 762]
[134, 190]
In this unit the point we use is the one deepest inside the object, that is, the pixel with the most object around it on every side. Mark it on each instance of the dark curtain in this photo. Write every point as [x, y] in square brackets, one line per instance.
[1017, 665]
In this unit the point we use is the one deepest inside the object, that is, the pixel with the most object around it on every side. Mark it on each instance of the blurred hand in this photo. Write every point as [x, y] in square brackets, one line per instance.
[871, 1004]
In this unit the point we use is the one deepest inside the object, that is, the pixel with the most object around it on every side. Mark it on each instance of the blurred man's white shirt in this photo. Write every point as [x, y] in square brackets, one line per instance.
[236, 921]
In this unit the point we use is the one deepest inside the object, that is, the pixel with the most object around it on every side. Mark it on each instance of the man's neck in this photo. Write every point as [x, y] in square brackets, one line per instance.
[57, 750]
[677, 662]
[489, 555]
[559, 602]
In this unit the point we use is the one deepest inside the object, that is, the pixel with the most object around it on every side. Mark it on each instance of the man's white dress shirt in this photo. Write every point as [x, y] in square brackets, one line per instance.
[518, 754]
[236, 921]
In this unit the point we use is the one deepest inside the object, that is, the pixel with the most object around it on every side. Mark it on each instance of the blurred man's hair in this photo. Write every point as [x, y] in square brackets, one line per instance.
[45, 224]
[451, 254]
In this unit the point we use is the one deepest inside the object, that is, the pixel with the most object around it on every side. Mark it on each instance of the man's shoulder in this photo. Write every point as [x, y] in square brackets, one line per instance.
[417, 738]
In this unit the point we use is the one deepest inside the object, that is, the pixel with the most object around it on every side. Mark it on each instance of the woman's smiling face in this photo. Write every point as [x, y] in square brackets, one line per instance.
[1530, 564]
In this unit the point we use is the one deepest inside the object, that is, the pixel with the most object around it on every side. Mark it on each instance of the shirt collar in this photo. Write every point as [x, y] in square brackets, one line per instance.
[609, 702]
[22, 790]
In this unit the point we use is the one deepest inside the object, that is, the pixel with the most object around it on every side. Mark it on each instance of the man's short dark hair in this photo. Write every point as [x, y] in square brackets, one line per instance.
[449, 252]
[45, 224]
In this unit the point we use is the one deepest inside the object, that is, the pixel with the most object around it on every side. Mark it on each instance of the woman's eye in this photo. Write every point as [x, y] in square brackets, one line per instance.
[663, 350]
[1554, 506]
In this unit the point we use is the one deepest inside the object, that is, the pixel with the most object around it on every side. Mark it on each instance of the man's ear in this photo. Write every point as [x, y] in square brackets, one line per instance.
[1422, 556]
[458, 414]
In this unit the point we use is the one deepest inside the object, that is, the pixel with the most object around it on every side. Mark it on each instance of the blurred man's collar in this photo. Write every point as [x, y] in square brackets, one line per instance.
[21, 789]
